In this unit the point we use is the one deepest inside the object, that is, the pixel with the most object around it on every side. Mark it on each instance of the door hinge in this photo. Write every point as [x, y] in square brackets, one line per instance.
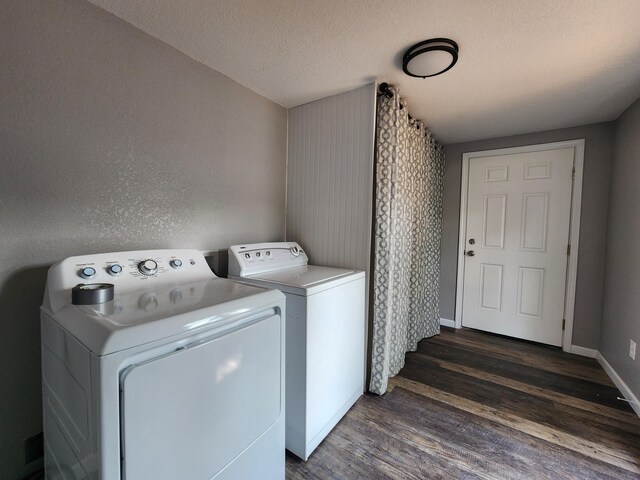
[564, 321]
[568, 249]
[573, 173]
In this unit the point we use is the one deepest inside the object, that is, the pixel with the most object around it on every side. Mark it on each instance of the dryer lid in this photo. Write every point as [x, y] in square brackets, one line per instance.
[143, 316]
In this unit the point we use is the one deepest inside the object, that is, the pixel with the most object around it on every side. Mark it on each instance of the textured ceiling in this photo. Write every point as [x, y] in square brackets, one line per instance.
[524, 66]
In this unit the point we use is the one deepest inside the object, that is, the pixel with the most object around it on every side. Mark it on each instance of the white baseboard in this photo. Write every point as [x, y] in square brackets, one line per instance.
[445, 322]
[624, 389]
[583, 351]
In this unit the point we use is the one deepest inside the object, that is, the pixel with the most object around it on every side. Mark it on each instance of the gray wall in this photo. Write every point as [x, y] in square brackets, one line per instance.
[330, 178]
[111, 140]
[621, 316]
[595, 198]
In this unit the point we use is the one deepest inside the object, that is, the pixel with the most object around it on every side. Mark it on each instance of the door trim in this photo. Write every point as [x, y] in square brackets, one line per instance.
[574, 226]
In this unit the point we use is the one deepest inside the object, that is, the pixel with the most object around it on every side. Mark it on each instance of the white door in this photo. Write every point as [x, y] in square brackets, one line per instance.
[517, 234]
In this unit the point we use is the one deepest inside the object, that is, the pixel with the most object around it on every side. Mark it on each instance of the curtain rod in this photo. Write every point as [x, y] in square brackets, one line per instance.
[386, 92]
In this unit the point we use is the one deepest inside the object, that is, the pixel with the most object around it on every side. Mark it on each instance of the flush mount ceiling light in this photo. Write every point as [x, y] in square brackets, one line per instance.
[430, 58]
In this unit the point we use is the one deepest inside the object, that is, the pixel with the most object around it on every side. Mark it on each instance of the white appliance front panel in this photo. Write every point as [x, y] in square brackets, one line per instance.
[335, 357]
[191, 413]
[325, 353]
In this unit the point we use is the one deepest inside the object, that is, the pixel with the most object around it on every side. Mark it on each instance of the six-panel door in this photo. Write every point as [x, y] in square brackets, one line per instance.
[517, 231]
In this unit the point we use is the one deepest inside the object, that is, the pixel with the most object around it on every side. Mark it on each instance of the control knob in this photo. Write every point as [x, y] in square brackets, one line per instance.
[87, 272]
[115, 269]
[176, 263]
[148, 267]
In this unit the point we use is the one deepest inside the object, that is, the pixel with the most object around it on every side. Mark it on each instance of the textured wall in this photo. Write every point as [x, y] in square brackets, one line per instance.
[621, 315]
[112, 140]
[595, 197]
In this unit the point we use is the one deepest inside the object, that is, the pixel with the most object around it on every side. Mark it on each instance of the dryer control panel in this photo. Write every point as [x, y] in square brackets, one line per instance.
[127, 271]
[252, 259]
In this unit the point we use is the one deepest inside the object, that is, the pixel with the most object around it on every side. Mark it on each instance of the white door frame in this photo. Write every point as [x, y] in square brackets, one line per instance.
[574, 229]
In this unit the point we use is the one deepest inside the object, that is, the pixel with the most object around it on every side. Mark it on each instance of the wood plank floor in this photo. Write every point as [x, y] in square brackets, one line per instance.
[474, 405]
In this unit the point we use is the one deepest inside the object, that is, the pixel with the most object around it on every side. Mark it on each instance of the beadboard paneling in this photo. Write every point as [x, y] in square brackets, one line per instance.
[330, 178]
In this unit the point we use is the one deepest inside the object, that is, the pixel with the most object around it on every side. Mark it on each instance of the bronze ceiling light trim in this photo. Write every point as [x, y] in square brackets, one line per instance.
[430, 58]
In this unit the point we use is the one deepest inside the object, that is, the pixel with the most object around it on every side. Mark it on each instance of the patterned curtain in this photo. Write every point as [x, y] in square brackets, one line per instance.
[408, 225]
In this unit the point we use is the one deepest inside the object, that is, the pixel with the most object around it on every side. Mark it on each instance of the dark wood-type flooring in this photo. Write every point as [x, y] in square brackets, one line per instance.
[473, 405]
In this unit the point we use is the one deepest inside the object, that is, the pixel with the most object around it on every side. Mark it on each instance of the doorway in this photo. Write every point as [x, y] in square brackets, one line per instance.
[518, 243]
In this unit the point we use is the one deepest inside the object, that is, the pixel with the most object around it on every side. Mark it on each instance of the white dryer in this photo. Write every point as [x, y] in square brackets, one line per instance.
[325, 335]
[179, 376]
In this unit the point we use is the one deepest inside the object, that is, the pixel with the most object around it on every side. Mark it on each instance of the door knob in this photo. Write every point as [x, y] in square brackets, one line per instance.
[472, 241]
[471, 253]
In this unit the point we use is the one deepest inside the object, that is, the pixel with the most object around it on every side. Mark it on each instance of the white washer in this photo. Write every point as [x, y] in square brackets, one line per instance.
[180, 376]
[325, 335]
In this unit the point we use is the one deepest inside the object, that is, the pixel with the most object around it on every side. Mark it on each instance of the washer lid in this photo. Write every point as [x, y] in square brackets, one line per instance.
[305, 280]
[142, 316]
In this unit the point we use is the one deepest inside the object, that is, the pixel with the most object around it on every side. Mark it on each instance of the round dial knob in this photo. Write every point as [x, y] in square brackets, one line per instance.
[87, 272]
[115, 269]
[148, 267]
[294, 251]
[176, 263]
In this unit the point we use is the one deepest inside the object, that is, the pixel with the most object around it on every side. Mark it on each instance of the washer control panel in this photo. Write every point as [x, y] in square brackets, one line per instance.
[258, 258]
